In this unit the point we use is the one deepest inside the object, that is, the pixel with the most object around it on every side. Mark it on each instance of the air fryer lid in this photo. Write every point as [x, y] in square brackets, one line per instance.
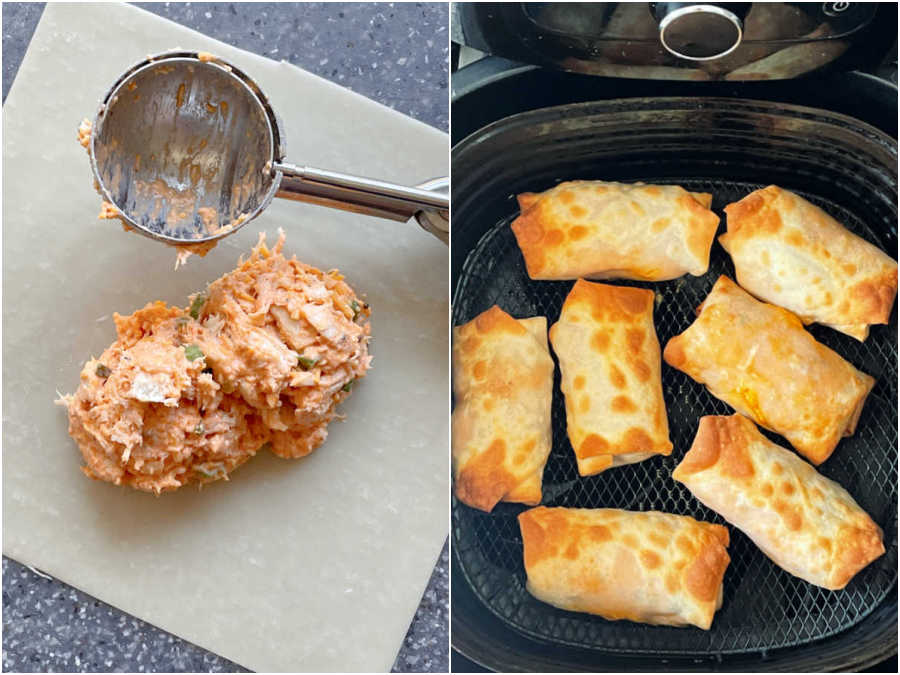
[669, 40]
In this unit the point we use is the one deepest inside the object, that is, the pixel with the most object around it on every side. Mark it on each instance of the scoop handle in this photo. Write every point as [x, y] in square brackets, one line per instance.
[429, 203]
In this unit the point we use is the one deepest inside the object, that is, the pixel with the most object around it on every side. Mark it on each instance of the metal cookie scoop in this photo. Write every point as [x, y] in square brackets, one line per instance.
[188, 149]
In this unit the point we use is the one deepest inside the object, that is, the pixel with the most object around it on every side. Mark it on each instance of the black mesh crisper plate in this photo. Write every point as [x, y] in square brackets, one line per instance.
[764, 607]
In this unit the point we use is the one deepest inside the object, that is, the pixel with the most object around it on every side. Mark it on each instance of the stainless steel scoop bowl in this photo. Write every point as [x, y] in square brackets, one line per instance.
[188, 149]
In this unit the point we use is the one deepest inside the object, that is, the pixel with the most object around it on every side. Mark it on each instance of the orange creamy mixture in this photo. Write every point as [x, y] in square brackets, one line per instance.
[188, 395]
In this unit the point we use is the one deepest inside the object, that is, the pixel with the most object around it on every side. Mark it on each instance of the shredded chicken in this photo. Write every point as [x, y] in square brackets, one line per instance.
[84, 133]
[185, 251]
[188, 395]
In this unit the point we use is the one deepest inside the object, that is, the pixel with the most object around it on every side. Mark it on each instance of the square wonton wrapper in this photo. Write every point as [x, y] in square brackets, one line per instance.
[611, 376]
[807, 524]
[501, 433]
[601, 230]
[791, 253]
[759, 360]
[651, 567]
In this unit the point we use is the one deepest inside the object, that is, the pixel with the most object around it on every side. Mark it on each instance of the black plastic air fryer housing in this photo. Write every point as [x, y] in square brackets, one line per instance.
[723, 137]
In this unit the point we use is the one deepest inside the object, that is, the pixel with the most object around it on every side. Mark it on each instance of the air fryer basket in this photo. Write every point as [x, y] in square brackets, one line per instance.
[727, 147]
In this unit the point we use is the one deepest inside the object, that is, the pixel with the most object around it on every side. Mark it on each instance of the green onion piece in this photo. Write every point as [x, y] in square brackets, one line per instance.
[348, 386]
[103, 371]
[197, 305]
[355, 307]
[199, 429]
[193, 352]
[306, 363]
[217, 472]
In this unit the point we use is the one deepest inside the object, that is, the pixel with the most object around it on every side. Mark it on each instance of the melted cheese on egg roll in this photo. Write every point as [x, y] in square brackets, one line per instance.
[759, 360]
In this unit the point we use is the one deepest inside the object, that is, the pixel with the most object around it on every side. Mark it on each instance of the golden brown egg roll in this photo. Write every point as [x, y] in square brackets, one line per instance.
[758, 359]
[600, 230]
[807, 524]
[651, 567]
[610, 364]
[503, 384]
[791, 253]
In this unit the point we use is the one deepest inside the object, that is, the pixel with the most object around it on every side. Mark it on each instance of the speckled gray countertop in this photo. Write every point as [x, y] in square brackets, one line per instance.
[394, 53]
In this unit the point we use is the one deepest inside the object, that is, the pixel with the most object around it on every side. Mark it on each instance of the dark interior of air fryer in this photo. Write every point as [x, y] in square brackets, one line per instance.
[727, 148]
